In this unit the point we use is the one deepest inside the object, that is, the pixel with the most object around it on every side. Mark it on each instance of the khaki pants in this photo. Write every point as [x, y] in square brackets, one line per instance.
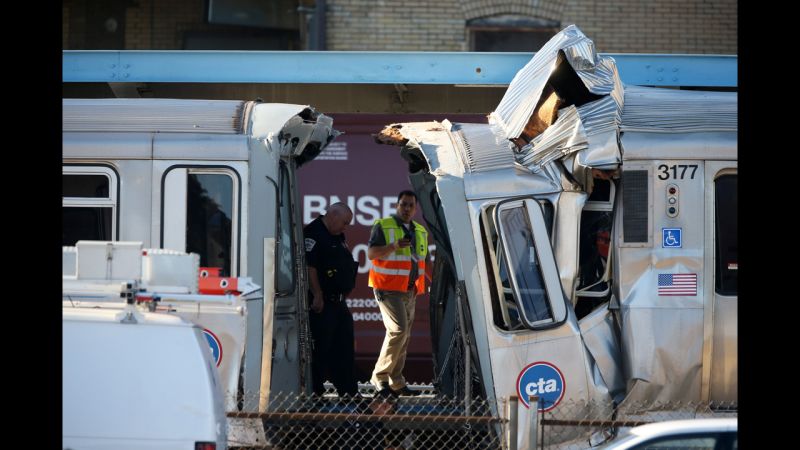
[397, 309]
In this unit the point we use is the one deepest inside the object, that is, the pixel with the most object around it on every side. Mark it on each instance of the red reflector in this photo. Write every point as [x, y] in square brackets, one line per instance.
[205, 446]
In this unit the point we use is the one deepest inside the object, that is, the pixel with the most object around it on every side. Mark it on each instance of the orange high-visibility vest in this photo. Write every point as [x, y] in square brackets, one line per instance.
[391, 272]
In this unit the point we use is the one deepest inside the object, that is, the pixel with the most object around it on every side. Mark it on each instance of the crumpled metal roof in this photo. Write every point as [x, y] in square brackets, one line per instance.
[599, 75]
[591, 128]
[480, 150]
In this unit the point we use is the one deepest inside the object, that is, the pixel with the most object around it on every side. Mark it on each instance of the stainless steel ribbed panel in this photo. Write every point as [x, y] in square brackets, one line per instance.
[153, 115]
[598, 74]
[671, 110]
[481, 149]
[600, 116]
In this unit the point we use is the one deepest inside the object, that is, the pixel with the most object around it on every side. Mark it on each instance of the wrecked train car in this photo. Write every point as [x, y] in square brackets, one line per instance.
[586, 238]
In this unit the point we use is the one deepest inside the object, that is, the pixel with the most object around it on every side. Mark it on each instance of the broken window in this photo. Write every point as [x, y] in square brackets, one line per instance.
[520, 293]
[284, 253]
[594, 246]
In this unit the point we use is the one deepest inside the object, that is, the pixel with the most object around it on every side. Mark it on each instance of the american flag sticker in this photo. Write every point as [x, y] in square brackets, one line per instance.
[677, 284]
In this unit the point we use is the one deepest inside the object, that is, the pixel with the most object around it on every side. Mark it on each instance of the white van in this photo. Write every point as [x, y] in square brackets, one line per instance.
[134, 380]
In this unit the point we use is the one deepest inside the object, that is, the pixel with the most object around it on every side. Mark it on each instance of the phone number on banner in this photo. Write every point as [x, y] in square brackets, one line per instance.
[368, 303]
[362, 303]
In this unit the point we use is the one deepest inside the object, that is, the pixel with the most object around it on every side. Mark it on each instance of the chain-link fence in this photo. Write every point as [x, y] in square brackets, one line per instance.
[433, 421]
[426, 421]
[581, 425]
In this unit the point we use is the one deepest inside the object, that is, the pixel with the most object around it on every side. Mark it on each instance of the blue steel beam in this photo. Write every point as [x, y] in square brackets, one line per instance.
[461, 68]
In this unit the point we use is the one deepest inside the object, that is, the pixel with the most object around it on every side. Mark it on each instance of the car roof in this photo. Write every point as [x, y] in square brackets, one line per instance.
[685, 426]
[644, 433]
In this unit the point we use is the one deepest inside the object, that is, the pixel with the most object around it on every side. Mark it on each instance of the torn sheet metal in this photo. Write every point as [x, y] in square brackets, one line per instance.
[588, 123]
[526, 88]
[480, 150]
[300, 130]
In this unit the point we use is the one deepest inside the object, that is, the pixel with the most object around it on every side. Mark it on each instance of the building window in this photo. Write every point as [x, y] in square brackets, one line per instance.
[726, 235]
[510, 33]
[89, 204]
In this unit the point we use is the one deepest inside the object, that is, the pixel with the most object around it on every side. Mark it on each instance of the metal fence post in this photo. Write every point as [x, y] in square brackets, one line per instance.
[533, 403]
[511, 414]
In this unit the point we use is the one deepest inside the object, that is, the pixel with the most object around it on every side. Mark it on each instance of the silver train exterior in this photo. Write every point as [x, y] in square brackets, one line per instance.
[510, 221]
[152, 152]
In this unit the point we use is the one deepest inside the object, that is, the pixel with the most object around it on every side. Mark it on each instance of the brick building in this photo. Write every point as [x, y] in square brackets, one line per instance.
[616, 26]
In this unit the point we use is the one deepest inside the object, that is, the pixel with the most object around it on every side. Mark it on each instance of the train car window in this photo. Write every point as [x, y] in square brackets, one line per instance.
[525, 264]
[89, 204]
[594, 239]
[284, 253]
[209, 219]
[529, 304]
[726, 235]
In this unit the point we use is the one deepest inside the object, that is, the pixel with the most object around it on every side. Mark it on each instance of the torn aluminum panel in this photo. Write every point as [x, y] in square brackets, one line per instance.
[589, 121]
[300, 130]
[599, 77]
[479, 149]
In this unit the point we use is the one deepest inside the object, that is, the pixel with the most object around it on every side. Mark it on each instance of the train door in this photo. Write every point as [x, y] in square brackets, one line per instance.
[199, 208]
[535, 344]
[289, 321]
[720, 356]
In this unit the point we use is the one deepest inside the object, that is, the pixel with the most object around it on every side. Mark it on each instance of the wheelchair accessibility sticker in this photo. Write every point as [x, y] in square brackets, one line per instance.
[671, 238]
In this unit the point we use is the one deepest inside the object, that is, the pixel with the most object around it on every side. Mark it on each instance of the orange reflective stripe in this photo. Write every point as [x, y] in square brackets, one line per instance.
[387, 282]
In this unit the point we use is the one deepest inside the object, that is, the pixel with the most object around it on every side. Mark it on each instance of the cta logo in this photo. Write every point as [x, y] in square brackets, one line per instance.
[543, 380]
[215, 344]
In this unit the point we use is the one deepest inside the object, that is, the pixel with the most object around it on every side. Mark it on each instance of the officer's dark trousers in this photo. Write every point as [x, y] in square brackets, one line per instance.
[332, 331]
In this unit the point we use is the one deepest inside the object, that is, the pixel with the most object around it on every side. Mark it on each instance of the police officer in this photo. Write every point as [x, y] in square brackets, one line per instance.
[331, 274]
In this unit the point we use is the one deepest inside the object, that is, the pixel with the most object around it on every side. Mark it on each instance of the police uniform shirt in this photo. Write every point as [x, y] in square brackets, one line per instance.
[376, 238]
[326, 252]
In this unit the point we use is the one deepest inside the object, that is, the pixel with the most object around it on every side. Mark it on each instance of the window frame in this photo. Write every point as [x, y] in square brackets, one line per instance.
[544, 253]
[598, 206]
[236, 204]
[113, 199]
[510, 22]
[284, 176]
[717, 264]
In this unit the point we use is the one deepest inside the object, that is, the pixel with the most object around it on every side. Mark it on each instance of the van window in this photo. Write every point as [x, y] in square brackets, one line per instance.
[209, 225]
[528, 305]
[726, 235]
[89, 204]
[284, 252]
